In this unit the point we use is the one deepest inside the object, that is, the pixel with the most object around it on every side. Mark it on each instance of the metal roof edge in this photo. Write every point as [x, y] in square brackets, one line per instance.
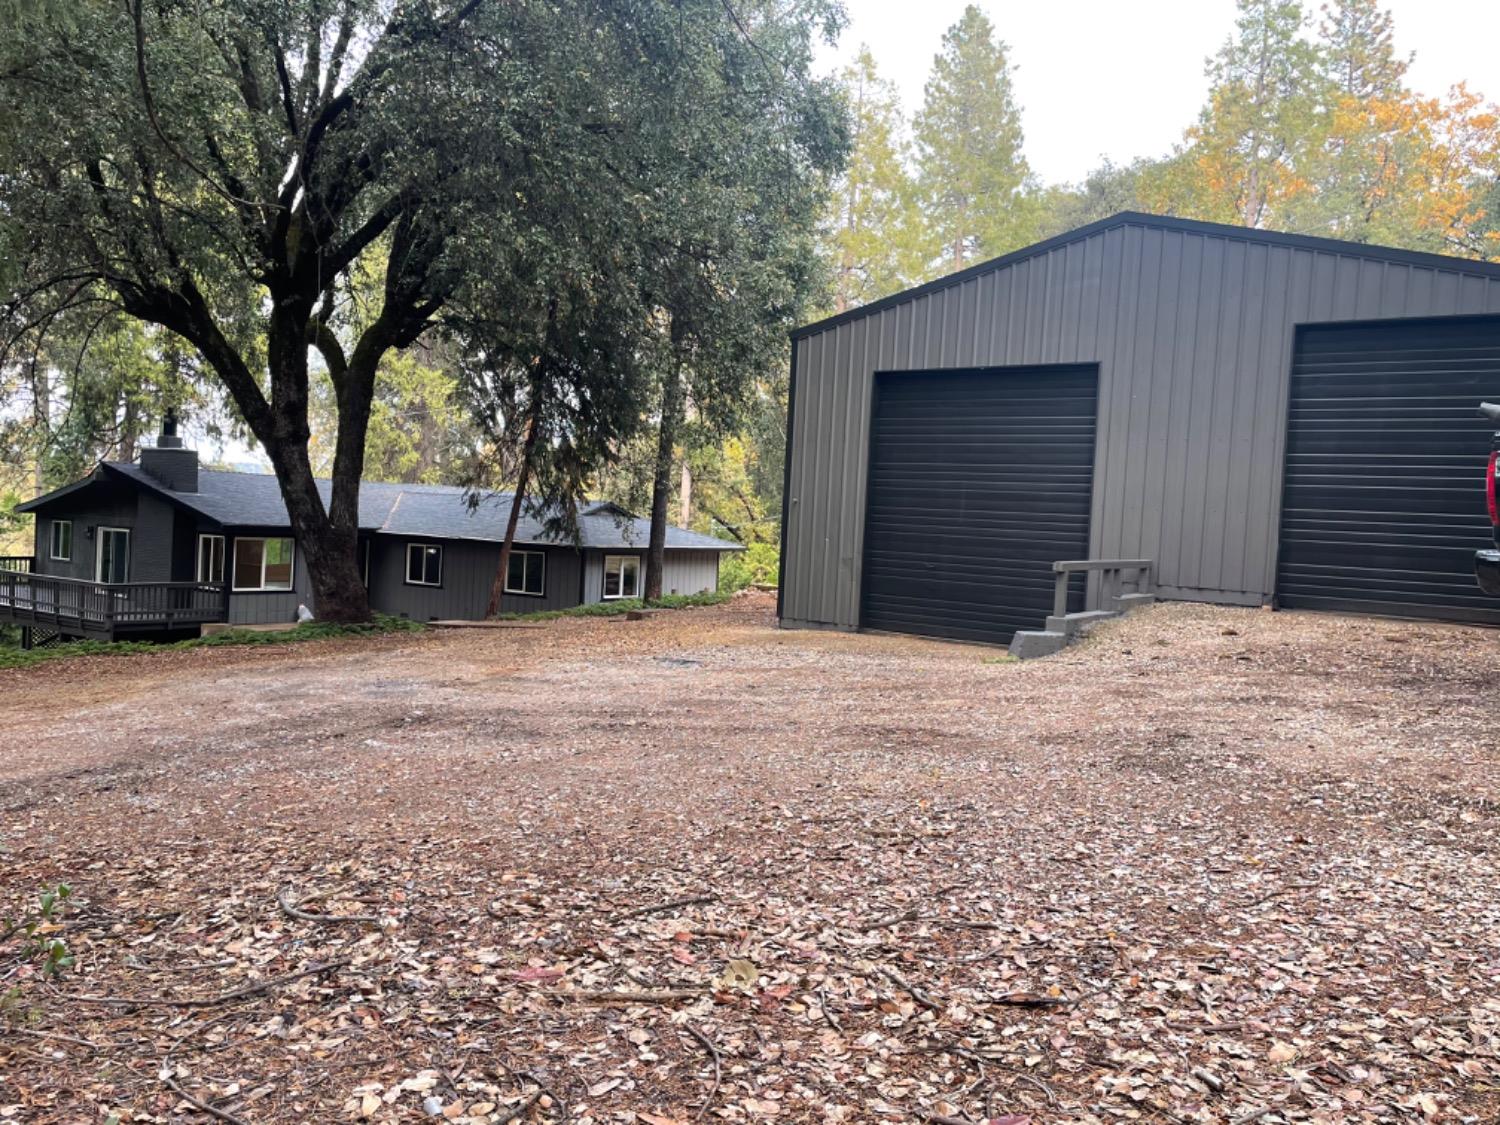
[1160, 222]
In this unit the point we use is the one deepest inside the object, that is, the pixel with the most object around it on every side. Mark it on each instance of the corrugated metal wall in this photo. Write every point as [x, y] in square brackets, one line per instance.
[1192, 331]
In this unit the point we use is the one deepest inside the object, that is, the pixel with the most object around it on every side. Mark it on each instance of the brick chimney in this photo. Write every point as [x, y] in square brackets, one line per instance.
[170, 462]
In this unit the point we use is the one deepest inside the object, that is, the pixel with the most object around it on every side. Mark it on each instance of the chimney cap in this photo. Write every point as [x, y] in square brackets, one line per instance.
[168, 438]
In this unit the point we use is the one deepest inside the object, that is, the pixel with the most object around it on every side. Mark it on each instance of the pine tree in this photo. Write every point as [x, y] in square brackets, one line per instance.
[873, 230]
[972, 174]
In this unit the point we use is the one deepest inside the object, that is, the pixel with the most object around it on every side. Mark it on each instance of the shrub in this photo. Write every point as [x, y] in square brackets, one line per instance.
[758, 564]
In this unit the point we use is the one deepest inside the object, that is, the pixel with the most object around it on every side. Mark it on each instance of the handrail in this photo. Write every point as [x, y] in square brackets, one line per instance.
[18, 564]
[1111, 572]
[76, 602]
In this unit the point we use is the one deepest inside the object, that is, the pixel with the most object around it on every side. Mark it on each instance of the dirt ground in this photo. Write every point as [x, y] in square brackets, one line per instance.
[1212, 865]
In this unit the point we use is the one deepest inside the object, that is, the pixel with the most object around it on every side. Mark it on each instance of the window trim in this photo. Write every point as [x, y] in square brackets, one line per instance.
[406, 573]
[209, 579]
[52, 541]
[234, 567]
[100, 535]
[525, 570]
[604, 578]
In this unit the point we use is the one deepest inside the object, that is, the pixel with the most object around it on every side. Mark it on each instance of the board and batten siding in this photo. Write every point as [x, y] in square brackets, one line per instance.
[467, 574]
[683, 572]
[264, 607]
[1192, 332]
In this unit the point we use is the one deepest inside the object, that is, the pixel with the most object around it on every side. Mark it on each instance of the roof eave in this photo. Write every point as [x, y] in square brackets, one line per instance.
[1160, 222]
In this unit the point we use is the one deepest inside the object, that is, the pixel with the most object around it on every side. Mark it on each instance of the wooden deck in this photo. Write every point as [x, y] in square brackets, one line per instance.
[103, 611]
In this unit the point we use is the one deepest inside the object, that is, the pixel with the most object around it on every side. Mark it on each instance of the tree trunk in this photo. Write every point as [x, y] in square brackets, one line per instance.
[130, 430]
[685, 496]
[661, 484]
[523, 477]
[41, 409]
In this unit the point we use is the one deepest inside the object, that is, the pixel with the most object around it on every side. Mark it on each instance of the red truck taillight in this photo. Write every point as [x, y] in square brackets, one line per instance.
[1490, 485]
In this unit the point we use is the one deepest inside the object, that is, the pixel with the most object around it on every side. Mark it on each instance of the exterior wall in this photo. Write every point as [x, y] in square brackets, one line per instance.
[468, 571]
[1192, 332]
[683, 572]
[270, 608]
[105, 506]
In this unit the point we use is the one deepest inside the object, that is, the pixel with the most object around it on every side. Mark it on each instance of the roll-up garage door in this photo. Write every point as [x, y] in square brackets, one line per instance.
[979, 481]
[1384, 503]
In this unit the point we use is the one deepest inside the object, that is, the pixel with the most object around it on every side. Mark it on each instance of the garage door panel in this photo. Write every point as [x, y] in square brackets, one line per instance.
[978, 482]
[1383, 504]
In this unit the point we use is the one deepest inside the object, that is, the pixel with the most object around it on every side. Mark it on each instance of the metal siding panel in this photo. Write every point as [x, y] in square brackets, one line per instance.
[1179, 409]
[1159, 438]
[1145, 371]
[1264, 465]
[1240, 439]
[1121, 389]
[1221, 424]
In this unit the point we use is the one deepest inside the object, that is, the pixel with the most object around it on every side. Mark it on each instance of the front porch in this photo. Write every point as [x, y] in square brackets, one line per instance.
[71, 607]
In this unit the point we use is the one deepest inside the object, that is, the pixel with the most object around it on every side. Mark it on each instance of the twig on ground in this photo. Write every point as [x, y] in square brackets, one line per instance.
[916, 993]
[828, 1017]
[673, 904]
[653, 996]
[196, 1103]
[53, 1035]
[890, 920]
[292, 909]
[521, 1108]
[1253, 1115]
[718, 1067]
[213, 1001]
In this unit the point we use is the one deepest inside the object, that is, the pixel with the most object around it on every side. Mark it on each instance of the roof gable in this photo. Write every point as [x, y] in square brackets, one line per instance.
[1489, 270]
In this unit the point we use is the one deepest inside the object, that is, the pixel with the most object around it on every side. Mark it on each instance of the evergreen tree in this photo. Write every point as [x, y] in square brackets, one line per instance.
[973, 177]
[873, 230]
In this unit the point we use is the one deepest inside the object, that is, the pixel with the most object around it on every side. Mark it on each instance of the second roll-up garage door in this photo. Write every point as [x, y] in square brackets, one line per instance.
[979, 481]
[1384, 503]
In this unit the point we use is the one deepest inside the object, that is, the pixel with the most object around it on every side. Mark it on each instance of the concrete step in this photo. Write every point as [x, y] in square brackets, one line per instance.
[1075, 623]
[1028, 644]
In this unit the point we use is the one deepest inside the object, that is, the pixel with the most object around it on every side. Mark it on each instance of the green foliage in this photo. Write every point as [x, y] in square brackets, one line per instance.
[758, 565]
[36, 928]
[623, 606]
[306, 631]
[976, 185]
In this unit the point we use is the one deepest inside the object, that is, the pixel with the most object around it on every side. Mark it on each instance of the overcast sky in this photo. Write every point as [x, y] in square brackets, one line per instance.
[1102, 77]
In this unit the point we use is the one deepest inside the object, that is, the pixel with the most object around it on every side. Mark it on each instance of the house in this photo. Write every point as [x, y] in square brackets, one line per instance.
[162, 546]
[1266, 418]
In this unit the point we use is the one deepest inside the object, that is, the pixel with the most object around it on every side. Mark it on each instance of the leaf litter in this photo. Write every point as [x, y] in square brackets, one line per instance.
[1210, 866]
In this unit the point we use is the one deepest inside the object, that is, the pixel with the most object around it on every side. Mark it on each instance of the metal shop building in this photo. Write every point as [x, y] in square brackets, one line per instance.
[1267, 418]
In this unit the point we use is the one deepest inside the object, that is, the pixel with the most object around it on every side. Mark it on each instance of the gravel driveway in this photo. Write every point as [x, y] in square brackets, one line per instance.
[1212, 865]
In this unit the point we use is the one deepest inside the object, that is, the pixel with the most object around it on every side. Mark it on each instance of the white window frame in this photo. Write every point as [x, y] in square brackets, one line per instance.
[541, 558]
[233, 561]
[52, 543]
[223, 556]
[604, 578]
[100, 535]
[424, 547]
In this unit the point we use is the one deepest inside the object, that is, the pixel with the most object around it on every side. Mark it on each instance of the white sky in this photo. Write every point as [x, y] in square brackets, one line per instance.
[1106, 77]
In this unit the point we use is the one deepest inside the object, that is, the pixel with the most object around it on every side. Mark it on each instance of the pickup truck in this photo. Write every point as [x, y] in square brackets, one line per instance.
[1487, 563]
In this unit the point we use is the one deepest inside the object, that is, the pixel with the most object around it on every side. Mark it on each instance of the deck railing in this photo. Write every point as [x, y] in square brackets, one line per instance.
[92, 608]
[19, 564]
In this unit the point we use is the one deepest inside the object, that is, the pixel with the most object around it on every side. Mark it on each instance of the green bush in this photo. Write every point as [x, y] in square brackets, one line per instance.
[758, 564]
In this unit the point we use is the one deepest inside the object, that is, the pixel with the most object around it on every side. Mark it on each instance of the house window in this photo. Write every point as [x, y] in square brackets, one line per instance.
[622, 577]
[263, 564]
[526, 573]
[112, 555]
[62, 540]
[210, 558]
[424, 564]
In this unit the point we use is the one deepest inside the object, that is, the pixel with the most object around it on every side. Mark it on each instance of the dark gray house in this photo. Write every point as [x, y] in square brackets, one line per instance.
[162, 546]
[1266, 418]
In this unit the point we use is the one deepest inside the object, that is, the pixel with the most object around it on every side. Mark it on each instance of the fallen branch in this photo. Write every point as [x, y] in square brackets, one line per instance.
[654, 996]
[53, 1035]
[916, 993]
[199, 1104]
[521, 1108]
[890, 920]
[673, 904]
[718, 1066]
[293, 910]
[214, 1001]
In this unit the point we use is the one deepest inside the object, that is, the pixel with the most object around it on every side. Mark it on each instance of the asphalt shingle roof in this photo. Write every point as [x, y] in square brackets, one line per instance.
[412, 511]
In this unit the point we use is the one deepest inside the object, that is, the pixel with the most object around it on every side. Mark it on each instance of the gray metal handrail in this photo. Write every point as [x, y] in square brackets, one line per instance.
[18, 564]
[1111, 573]
[55, 600]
